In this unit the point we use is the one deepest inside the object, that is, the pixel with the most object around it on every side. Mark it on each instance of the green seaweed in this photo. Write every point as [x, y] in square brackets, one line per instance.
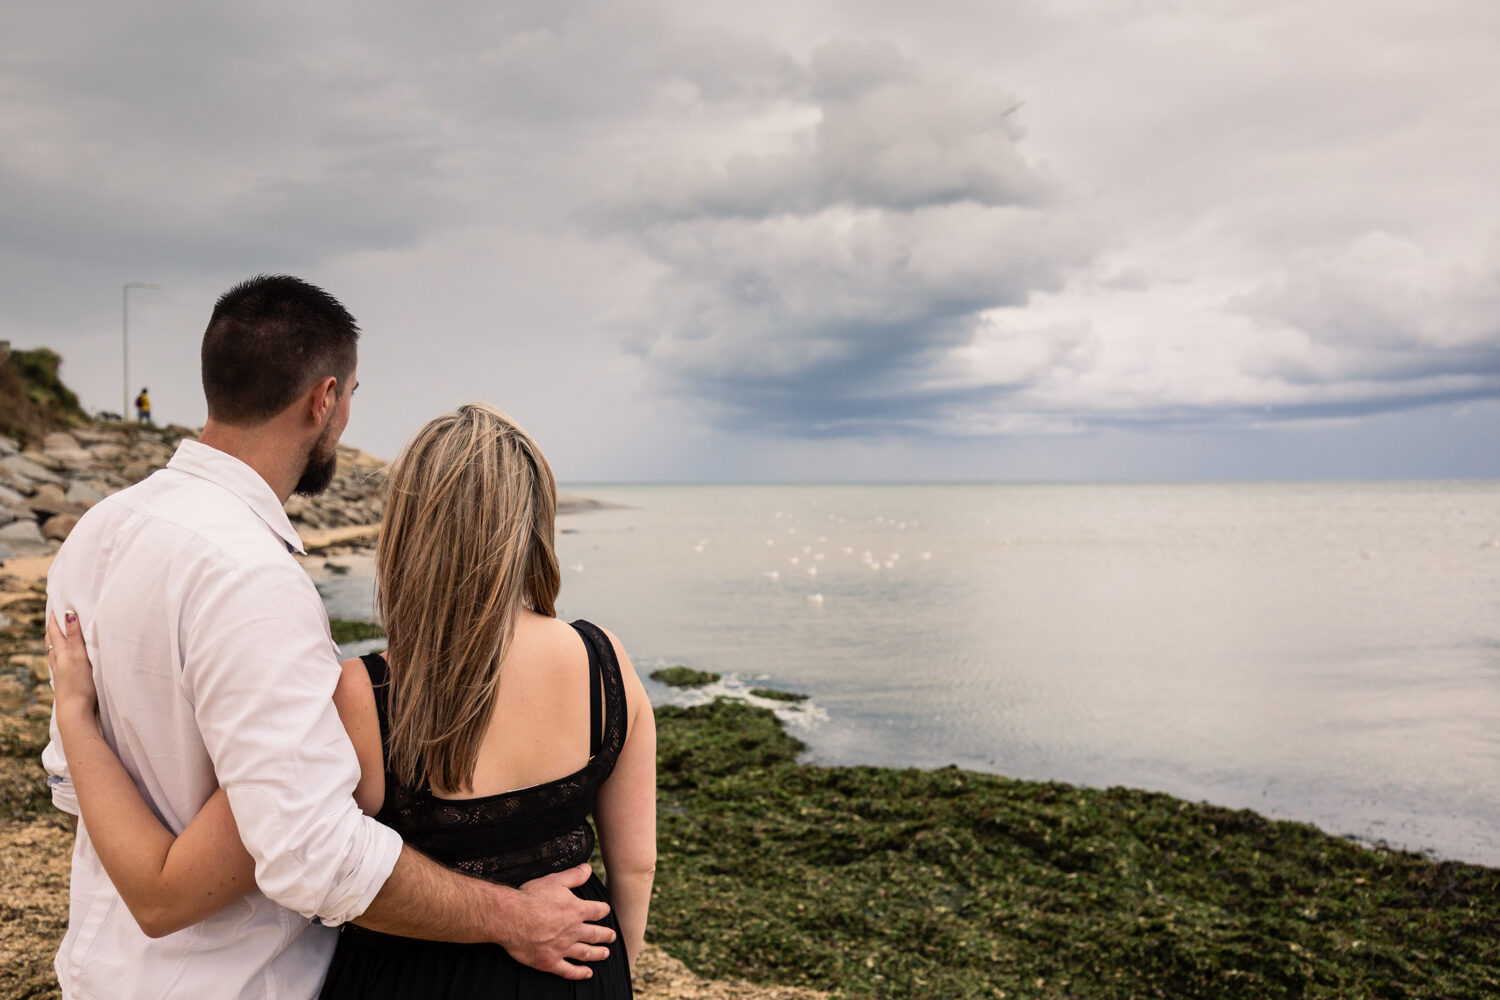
[876, 882]
[684, 677]
[345, 630]
[771, 694]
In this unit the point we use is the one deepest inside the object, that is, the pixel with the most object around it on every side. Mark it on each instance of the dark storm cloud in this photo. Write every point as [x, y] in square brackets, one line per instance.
[822, 288]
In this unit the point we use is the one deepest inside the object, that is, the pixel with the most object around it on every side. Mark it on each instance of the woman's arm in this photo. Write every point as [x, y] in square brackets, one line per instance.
[626, 815]
[167, 882]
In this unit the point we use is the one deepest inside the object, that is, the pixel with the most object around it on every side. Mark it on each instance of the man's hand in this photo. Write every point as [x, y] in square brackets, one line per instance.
[550, 926]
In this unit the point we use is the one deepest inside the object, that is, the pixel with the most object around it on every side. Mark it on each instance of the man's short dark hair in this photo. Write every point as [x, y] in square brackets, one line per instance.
[269, 339]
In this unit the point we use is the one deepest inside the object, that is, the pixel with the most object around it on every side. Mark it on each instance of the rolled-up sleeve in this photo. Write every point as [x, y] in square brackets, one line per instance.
[59, 781]
[260, 669]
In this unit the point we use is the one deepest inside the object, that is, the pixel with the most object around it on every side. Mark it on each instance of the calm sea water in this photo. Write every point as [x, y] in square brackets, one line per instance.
[1320, 652]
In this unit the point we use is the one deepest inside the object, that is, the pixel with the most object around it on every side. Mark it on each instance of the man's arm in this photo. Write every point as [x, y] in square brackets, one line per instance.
[542, 924]
[261, 673]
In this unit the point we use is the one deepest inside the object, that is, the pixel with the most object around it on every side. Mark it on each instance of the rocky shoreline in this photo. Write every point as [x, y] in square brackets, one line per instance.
[44, 489]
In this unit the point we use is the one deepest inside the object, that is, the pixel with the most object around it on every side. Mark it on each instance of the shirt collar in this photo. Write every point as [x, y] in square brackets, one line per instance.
[222, 469]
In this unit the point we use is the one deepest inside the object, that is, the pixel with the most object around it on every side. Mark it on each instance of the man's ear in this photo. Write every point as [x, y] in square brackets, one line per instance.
[322, 398]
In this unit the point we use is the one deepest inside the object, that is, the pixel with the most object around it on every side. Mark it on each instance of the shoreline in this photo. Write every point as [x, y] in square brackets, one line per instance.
[787, 881]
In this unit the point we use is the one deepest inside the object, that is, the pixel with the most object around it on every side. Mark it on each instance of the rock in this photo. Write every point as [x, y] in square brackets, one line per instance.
[44, 459]
[13, 694]
[59, 440]
[34, 665]
[51, 500]
[22, 467]
[10, 497]
[6, 552]
[24, 538]
[43, 694]
[73, 459]
[59, 526]
[136, 471]
[6, 516]
[47, 494]
[85, 493]
[8, 447]
[90, 436]
[106, 451]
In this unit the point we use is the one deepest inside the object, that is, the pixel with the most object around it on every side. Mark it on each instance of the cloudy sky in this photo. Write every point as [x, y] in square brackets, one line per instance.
[1044, 239]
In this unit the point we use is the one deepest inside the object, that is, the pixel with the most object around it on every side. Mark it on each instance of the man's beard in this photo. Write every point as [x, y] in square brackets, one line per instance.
[317, 474]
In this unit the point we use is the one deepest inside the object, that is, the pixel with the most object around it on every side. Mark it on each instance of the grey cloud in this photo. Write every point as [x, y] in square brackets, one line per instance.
[888, 136]
[824, 288]
[1382, 310]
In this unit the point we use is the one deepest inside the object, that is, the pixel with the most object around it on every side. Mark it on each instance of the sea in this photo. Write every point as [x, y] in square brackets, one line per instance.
[1320, 652]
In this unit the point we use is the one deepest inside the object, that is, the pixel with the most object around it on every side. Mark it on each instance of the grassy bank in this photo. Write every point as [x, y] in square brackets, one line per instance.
[894, 883]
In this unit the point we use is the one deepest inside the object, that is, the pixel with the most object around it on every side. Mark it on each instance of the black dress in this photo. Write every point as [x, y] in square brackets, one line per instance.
[508, 838]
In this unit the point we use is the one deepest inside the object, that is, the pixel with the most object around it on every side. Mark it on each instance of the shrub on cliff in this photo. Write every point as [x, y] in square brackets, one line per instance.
[33, 400]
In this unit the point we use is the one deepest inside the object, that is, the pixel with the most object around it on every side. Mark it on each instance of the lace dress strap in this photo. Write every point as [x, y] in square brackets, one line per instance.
[605, 680]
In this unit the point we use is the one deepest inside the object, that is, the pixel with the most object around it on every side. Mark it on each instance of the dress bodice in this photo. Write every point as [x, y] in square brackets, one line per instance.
[519, 835]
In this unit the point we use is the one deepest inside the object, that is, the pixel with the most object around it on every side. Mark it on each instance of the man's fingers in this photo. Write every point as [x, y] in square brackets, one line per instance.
[570, 971]
[586, 953]
[575, 876]
[570, 879]
[596, 933]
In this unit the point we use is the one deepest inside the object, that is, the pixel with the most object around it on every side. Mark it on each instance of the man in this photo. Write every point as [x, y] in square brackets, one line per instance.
[214, 667]
[143, 407]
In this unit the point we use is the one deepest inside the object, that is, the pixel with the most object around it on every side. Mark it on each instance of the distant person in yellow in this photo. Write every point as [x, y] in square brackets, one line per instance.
[143, 406]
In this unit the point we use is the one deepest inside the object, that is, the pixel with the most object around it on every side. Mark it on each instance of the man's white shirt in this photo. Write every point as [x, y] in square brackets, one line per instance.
[214, 667]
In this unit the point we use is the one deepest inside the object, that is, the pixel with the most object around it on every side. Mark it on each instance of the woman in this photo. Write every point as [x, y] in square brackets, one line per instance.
[487, 733]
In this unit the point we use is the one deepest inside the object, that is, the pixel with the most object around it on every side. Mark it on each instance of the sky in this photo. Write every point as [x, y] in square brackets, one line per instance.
[875, 240]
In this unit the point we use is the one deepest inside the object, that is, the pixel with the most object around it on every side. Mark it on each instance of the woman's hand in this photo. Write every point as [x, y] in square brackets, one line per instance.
[72, 673]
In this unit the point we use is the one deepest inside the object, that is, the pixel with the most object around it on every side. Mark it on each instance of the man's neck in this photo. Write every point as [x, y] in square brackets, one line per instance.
[268, 452]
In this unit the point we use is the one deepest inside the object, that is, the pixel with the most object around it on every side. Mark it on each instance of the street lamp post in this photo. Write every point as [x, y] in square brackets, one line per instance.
[125, 335]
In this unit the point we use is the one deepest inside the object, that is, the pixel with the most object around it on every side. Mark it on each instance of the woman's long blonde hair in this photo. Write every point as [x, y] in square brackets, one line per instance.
[466, 541]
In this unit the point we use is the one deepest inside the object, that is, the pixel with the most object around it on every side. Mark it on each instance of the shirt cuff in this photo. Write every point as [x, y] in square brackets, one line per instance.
[64, 797]
[371, 874]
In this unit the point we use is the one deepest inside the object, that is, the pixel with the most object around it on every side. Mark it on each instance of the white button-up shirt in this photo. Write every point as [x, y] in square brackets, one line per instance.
[214, 666]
